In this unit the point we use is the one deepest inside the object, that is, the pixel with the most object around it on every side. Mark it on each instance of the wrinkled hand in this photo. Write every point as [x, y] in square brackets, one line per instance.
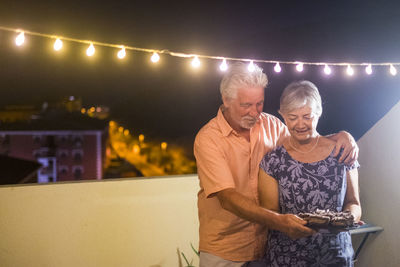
[293, 226]
[350, 148]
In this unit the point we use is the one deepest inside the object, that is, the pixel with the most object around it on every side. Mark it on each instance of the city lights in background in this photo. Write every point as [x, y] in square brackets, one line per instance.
[141, 137]
[136, 149]
[164, 145]
[196, 63]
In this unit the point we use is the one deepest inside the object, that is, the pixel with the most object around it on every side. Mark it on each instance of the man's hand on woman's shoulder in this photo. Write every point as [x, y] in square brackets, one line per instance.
[345, 141]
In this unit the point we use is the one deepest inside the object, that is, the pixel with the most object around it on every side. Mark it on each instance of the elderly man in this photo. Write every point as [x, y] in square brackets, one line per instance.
[228, 150]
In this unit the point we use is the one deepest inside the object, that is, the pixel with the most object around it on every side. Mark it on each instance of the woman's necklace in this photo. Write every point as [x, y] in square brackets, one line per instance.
[304, 152]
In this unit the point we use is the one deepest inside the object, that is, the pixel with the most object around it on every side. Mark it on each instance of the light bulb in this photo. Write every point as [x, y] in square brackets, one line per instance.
[20, 39]
[195, 62]
[58, 44]
[392, 70]
[251, 66]
[155, 57]
[277, 67]
[90, 50]
[368, 69]
[327, 70]
[349, 70]
[121, 53]
[299, 67]
[223, 66]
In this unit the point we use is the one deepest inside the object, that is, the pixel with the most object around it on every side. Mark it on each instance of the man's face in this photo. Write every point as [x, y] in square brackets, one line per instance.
[243, 111]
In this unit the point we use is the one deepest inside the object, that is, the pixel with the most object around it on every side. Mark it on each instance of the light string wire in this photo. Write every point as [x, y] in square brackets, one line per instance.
[185, 55]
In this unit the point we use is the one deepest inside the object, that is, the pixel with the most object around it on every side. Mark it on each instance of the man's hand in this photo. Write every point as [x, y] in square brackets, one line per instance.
[293, 226]
[350, 148]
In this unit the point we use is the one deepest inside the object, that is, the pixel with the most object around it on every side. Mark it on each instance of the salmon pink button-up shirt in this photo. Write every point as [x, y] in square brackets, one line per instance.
[227, 160]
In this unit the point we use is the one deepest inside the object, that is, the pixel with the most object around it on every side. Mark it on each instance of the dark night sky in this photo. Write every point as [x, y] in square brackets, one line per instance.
[170, 99]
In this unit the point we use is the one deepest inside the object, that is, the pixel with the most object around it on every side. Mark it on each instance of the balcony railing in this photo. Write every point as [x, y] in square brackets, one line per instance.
[123, 222]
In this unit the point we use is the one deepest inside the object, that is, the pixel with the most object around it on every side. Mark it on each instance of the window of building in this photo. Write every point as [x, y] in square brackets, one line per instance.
[5, 139]
[77, 155]
[63, 139]
[36, 153]
[62, 153]
[63, 169]
[77, 171]
[37, 139]
[77, 140]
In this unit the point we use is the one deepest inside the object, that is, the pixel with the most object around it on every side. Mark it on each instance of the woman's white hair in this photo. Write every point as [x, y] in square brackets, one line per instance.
[238, 76]
[299, 94]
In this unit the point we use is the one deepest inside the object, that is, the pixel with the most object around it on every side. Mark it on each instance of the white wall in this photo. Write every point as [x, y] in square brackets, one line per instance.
[380, 190]
[127, 222]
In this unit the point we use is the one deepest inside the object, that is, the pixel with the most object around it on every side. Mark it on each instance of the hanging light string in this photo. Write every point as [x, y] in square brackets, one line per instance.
[196, 57]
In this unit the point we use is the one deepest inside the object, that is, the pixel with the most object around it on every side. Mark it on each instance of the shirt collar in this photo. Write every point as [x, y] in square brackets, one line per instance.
[226, 129]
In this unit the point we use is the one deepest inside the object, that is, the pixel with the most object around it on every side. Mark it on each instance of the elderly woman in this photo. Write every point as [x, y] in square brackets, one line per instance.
[302, 175]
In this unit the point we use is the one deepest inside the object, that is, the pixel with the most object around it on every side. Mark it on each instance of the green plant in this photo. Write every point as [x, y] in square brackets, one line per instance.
[190, 264]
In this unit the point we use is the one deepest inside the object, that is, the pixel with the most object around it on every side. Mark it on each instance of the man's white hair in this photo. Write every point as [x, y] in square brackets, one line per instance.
[238, 76]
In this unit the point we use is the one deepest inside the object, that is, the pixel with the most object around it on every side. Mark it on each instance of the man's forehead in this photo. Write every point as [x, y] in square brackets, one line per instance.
[250, 88]
[250, 91]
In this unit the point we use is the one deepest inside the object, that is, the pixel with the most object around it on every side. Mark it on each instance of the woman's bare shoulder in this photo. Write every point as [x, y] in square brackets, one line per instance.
[326, 142]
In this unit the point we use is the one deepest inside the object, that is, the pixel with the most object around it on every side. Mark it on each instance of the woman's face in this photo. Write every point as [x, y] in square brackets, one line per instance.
[302, 123]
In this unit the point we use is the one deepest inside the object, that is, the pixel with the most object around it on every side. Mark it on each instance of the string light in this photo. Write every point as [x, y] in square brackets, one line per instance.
[349, 70]
[20, 39]
[299, 67]
[90, 50]
[277, 67]
[251, 66]
[155, 57]
[121, 53]
[58, 44]
[392, 70]
[327, 70]
[195, 62]
[368, 69]
[223, 66]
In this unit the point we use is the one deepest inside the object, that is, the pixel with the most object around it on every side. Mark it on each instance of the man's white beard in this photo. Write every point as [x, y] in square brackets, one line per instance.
[248, 122]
